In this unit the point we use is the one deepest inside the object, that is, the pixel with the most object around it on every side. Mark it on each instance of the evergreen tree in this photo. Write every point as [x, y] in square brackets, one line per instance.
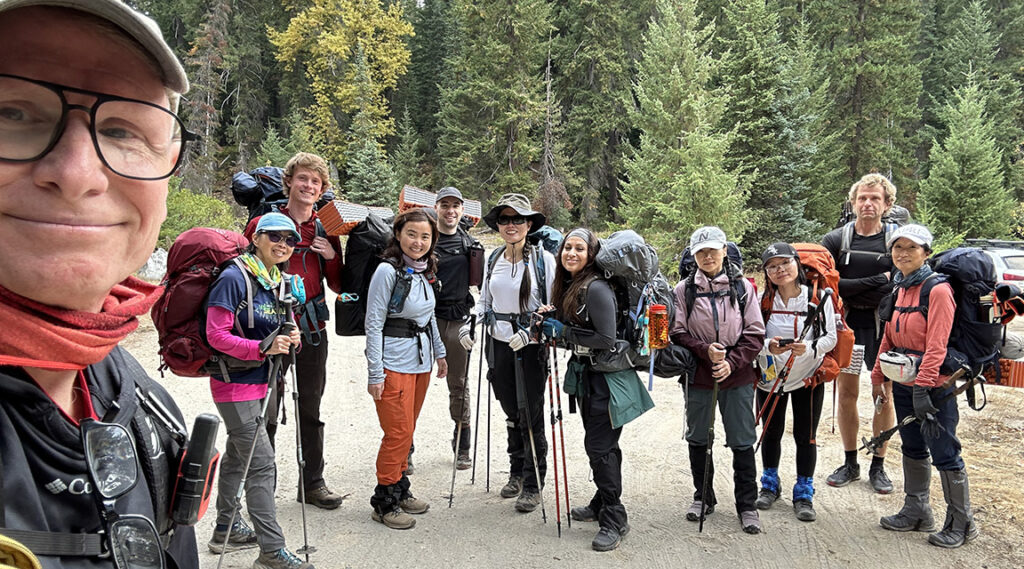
[370, 179]
[676, 179]
[969, 45]
[964, 192]
[428, 48]
[808, 84]
[406, 159]
[597, 49]
[874, 82]
[272, 151]
[323, 39]
[206, 63]
[765, 146]
[492, 105]
[552, 197]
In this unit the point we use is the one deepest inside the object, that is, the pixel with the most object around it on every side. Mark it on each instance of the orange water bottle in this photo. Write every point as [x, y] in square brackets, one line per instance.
[658, 326]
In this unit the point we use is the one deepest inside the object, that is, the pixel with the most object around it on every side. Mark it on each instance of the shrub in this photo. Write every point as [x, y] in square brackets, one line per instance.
[187, 209]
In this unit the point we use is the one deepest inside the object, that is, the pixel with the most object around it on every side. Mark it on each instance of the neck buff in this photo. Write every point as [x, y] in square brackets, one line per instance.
[268, 279]
[417, 266]
[50, 337]
[915, 278]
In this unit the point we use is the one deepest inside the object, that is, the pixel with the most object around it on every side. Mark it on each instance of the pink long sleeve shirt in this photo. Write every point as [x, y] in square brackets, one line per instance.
[915, 332]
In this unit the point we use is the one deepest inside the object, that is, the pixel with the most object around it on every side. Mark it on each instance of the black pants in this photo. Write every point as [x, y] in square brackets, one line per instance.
[601, 442]
[806, 414]
[311, 375]
[502, 375]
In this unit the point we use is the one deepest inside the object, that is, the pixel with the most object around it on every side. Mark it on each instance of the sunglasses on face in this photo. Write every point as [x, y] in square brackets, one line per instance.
[289, 240]
[513, 219]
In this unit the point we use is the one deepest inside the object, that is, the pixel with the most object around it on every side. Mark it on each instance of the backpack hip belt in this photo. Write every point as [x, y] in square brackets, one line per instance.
[310, 317]
[518, 320]
[406, 328]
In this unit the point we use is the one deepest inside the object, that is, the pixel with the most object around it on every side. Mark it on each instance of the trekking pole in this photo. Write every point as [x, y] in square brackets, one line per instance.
[487, 487]
[554, 453]
[875, 443]
[479, 381]
[525, 415]
[784, 374]
[707, 458]
[287, 327]
[261, 419]
[462, 410]
[561, 431]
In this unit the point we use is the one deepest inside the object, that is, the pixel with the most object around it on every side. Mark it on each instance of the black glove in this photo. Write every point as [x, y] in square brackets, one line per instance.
[925, 412]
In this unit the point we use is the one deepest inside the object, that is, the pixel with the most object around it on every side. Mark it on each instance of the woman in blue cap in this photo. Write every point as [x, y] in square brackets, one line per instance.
[245, 310]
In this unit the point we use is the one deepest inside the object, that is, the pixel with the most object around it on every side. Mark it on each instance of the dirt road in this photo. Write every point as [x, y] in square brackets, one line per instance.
[483, 530]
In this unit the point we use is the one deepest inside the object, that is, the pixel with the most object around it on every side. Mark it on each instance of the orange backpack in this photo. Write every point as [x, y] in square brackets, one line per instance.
[820, 273]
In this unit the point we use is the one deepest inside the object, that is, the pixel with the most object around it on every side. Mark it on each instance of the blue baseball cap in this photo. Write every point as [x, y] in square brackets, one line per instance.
[277, 222]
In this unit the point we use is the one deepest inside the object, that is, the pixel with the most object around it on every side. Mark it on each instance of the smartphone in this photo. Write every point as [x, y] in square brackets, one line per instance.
[786, 341]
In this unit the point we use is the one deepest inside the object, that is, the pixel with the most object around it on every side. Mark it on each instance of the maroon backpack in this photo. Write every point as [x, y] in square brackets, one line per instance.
[193, 263]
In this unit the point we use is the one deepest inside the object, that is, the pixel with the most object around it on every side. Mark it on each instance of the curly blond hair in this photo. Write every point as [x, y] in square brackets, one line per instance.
[308, 161]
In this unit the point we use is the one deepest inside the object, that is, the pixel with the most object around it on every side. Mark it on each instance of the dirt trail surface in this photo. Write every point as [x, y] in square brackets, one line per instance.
[483, 530]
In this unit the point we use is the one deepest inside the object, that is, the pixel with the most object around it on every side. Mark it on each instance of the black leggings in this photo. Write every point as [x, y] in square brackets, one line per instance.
[806, 413]
[502, 361]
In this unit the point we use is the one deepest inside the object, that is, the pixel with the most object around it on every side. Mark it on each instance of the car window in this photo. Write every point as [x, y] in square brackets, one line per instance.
[1016, 263]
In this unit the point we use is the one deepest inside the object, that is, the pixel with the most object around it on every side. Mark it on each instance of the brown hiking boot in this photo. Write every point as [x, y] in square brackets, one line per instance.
[528, 501]
[395, 519]
[413, 505]
[513, 487]
[322, 497]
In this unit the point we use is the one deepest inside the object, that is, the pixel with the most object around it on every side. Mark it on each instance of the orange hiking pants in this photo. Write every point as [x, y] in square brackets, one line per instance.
[397, 409]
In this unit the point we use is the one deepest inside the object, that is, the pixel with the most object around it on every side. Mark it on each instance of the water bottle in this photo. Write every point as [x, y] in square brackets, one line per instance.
[403, 282]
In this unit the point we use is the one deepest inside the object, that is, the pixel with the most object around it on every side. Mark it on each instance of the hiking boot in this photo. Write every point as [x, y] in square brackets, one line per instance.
[528, 501]
[513, 487]
[463, 462]
[242, 537]
[583, 514]
[903, 522]
[804, 511]
[394, 519]
[750, 522]
[413, 505]
[608, 538]
[880, 480]
[844, 475]
[693, 514]
[322, 497]
[280, 559]
[765, 499]
[959, 527]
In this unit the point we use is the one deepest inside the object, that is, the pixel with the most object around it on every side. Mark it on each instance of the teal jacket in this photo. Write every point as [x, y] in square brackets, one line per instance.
[629, 397]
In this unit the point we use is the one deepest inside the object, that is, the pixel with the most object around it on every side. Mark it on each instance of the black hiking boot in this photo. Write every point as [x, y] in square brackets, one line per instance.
[583, 514]
[804, 511]
[608, 538]
[844, 475]
[765, 499]
[880, 482]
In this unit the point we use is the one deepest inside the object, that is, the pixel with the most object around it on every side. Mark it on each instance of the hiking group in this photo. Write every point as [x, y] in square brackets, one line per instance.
[90, 447]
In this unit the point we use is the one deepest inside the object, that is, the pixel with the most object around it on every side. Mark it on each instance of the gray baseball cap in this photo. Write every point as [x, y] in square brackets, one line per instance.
[449, 192]
[708, 237]
[138, 26]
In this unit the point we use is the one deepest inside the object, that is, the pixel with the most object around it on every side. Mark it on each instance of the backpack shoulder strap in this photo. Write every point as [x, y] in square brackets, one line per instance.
[247, 306]
[845, 243]
[540, 267]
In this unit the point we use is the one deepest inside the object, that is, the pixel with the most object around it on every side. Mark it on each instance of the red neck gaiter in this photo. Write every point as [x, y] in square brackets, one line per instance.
[48, 337]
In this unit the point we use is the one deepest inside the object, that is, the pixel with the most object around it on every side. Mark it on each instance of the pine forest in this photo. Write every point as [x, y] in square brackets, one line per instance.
[658, 115]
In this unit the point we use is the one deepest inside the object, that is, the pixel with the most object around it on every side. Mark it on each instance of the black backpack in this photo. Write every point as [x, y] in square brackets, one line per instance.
[688, 269]
[261, 191]
[366, 242]
[974, 339]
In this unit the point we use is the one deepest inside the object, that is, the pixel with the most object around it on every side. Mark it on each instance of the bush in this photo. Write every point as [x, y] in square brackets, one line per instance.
[187, 209]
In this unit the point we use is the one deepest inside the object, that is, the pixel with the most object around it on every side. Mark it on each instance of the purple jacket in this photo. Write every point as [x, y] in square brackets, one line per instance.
[741, 334]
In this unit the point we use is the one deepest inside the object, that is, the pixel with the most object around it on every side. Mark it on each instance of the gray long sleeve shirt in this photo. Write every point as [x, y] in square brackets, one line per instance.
[400, 354]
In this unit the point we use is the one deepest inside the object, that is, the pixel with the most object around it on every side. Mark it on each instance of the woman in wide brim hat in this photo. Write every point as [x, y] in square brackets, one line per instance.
[517, 283]
[521, 205]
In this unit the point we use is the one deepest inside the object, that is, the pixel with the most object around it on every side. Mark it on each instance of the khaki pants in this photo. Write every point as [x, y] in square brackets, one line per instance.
[458, 383]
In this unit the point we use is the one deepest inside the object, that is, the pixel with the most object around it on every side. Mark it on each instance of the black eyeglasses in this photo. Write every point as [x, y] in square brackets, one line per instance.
[135, 139]
[290, 240]
[513, 219]
[113, 467]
